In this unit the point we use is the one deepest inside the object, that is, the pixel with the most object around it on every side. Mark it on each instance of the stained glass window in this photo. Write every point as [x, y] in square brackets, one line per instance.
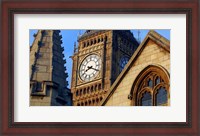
[151, 87]
[161, 97]
[150, 83]
[157, 80]
[146, 99]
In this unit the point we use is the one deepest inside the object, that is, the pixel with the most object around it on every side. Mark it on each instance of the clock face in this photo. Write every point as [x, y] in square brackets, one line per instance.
[90, 67]
[124, 60]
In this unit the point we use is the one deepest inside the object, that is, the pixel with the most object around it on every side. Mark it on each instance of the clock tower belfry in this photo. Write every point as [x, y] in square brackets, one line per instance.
[97, 61]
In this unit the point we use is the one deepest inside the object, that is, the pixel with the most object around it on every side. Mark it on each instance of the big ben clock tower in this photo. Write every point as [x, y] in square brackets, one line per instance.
[97, 61]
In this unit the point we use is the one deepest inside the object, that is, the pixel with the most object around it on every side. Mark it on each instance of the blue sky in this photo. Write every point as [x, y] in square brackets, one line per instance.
[70, 36]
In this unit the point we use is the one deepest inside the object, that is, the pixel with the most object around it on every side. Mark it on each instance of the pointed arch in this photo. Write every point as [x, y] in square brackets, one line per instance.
[147, 81]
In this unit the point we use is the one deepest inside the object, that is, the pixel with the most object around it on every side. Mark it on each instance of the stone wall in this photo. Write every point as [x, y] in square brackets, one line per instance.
[47, 100]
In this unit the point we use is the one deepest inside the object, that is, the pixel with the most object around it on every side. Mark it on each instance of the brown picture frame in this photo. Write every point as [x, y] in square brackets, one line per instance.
[12, 7]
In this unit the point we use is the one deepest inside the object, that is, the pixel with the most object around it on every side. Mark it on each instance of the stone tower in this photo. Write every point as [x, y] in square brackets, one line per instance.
[48, 85]
[97, 61]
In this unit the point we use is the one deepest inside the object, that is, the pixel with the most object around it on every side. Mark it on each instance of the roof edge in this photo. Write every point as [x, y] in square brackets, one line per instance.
[157, 38]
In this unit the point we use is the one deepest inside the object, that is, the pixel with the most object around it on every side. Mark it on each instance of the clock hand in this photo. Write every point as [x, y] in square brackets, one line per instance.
[89, 67]
[94, 69]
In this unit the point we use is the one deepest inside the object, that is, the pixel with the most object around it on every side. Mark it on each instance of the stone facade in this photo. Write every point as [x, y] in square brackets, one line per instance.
[143, 81]
[48, 85]
[111, 46]
[153, 53]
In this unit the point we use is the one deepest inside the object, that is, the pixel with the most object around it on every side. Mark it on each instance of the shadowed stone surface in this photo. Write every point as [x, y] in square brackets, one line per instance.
[48, 85]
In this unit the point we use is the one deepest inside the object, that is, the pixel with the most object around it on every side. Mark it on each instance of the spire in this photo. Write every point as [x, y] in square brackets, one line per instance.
[75, 47]
[47, 67]
[79, 34]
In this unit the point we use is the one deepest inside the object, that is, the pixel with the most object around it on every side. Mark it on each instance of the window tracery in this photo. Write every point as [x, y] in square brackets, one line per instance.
[151, 87]
[146, 99]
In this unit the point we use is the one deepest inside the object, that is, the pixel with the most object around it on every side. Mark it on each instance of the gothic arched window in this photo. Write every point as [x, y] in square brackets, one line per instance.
[89, 102]
[150, 83]
[81, 92]
[157, 80]
[161, 96]
[146, 99]
[151, 87]
[91, 89]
